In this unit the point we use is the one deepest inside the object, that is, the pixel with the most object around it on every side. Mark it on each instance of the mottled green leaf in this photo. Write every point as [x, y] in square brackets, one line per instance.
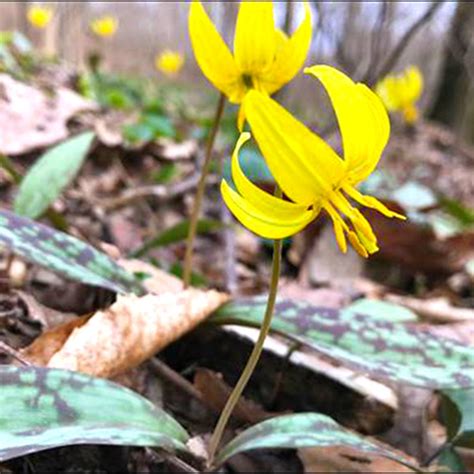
[458, 415]
[382, 310]
[51, 173]
[303, 430]
[46, 408]
[63, 254]
[401, 353]
[177, 233]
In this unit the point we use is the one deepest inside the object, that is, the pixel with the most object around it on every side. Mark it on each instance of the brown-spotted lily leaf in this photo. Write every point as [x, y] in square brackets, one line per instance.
[51, 174]
[63, 254]
[398, 352]
[47, 408]
[303, 430]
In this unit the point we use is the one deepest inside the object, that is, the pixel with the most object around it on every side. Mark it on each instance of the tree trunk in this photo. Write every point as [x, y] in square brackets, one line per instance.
[452, 104]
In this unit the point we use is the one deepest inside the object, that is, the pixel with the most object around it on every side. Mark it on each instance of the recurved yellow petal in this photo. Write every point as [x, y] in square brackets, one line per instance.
[379, 123]
[362, 118]
[303, 165]
[213, 55]
[260, 199]
[290, 55]
[254, 41]
[260, 221]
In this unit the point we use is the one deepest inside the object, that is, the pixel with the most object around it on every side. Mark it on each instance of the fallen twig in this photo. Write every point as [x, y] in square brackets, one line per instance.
[6, 349]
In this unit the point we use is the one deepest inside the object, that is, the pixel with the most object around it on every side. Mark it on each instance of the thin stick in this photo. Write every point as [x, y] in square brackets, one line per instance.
[188, 258]
[6, 349]
[162, 370]
[254, 356]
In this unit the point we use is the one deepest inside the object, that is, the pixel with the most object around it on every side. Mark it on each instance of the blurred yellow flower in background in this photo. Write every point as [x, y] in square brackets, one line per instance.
[309, 172]
[264, 58]
[400, 93]
[39, 15]
[105, 26]
[169, 62]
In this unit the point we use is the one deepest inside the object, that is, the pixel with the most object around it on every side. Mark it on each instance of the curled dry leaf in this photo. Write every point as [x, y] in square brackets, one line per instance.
[50, 342]
[132, 330]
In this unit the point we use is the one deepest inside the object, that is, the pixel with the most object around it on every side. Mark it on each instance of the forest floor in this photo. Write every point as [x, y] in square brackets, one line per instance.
[131, 200]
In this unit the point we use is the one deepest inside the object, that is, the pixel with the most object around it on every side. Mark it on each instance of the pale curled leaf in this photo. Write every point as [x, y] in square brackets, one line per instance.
[40, 351]
[133, 329]
[46, 408]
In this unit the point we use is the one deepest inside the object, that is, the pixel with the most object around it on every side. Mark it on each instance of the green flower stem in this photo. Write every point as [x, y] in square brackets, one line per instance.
[188, 257]
[254, 356]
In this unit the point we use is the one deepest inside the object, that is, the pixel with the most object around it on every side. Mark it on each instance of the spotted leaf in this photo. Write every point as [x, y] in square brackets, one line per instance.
[303, 430]
[63, 254]
[398, 352]
[47, 408]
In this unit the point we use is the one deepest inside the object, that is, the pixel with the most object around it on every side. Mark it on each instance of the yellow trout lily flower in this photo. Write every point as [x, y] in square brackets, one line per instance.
[309, 172]
[105, 26]
[39, 15]
[264, 58]
[401, 92]
[169, 62]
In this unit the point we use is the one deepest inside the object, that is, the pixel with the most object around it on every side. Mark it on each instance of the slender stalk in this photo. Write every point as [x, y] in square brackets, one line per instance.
[254, 356]
[188, 257]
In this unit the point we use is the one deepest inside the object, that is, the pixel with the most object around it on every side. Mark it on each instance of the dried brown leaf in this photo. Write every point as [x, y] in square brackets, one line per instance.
[31, 119]
[50, 342]
[134, 329]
